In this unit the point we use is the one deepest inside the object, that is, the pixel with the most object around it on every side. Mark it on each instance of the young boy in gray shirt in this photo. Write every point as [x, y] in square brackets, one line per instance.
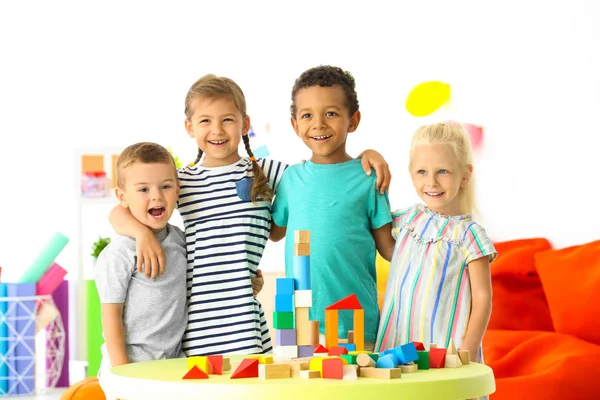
[143, 318]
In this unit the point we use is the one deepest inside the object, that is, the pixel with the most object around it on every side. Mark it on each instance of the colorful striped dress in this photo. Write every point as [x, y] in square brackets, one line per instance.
[428, 293]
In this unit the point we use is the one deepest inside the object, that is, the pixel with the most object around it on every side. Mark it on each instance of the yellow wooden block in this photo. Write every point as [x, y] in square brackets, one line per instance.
[355, 353]
[359, 329]
[265, 360]
[380, 373]
[316, 364]
[303, 327]
[331, 329]
[302, 237]
[200, 362]
[407, 369]
[302, 249]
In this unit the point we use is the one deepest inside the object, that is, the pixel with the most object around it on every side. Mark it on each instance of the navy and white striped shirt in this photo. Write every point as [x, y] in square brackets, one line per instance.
[225, 236]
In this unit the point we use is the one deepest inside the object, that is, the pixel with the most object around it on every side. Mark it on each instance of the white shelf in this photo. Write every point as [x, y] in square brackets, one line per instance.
[108, 200]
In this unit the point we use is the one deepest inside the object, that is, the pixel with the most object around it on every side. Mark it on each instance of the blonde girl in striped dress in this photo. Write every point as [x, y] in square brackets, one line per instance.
[439, 286]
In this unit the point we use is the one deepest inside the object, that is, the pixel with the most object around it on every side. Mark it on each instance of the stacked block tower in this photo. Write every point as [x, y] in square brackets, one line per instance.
[295, 334]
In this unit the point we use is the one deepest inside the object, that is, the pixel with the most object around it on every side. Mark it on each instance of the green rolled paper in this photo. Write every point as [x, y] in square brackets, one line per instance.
[44, 260]
[94, 328]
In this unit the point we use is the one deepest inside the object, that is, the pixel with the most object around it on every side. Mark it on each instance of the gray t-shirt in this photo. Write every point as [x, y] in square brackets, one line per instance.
[155, 311]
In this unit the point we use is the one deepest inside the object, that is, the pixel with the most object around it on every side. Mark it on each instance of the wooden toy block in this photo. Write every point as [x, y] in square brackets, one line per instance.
[349, 346]
[452, 361]
[303, 333]
[357, 352]
[200, 362]
[248, 368]
[423, 361]
[408, 368]
[347, 303]
[297, 367]
[283, 320]
[265, 360]
[301, 270]
[364, 360]
[226, 364]
[419, 346]
[337, 350]
[284, 303]
[333, 368]
[409, 353]
[350, 336]
[274, 371]
[308, 374]
[350, 359]
[433, 346]
[464, 356]
[302, 236]
[380, 373]
[284, 286]
[318, 349]
[305, 351]
[286, 352]
[437, 358]
[350, 372]
[316, 364]
[388, 361]
[314, 332]
[303, 298]
[302, 249]
[195, 373]
[285, 337]
[216, 364]
[331, 328]
[359, 329]
[451, 349]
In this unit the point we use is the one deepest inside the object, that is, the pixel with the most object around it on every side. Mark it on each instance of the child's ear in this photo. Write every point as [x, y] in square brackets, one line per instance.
[246, 126]
[188, 128]
[121, 197]
[295, 125]
[467, 176]
[354, 121]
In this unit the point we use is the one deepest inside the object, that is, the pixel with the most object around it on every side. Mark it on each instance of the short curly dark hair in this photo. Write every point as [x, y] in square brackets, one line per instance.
[327, 76]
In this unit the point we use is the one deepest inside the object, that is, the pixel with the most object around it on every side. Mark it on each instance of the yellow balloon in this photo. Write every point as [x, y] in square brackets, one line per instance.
[427, 97]
[383, 270]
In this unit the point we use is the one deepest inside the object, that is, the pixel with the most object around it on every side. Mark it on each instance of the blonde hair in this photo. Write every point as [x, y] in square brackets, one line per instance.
[455, 135]
[143, 152]
[212, 86]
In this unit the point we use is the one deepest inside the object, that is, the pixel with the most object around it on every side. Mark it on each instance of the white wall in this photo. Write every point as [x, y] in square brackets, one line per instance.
[80, 75]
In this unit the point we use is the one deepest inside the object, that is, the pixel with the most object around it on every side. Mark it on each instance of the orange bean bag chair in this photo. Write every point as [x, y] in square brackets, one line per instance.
[87, 389]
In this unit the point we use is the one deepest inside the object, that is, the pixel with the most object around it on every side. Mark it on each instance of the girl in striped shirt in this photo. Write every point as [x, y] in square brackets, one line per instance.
[225, 203]
[439, 286]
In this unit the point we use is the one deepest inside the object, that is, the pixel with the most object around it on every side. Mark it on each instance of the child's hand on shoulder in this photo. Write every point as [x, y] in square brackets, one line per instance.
[150, 254]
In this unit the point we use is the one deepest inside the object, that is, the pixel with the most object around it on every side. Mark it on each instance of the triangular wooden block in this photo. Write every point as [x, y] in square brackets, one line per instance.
[195, 373]
[348, 303]
[452, 361]
[216, 364]
[248, 368]
[419, 346]
[451, 348]
[320, 349]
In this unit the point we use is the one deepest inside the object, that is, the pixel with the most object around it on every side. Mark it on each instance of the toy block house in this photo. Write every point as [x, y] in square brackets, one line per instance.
[331, 322]
[295, 333]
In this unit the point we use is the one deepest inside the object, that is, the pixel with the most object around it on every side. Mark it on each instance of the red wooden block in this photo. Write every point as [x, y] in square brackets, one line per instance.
[216, 364]
[195, 373]
[338, 350]
[319, 349]
[419, 346]
[333, 368]
[437, 358]
[348, 303]
[248, 368]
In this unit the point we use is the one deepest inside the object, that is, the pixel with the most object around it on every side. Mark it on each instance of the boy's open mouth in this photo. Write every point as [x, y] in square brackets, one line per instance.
[157, 212]
[320, 138]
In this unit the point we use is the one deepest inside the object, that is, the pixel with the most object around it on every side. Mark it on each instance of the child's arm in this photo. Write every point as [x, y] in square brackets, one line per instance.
[384, 241]
[114, 333]
[277, 232]
[150, 253]
[481, 305]
[372, 159]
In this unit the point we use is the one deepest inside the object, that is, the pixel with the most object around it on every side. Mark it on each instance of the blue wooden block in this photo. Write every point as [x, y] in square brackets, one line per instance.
[284, 303]
[387, 361]
[302, 272]
[410, 352]
[305, 351]
[284, 286]
[349, 346]
[285, 337]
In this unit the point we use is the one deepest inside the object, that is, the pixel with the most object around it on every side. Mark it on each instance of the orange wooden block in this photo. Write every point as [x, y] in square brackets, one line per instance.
[216, 364]
[195, 373]
[333, 368]
[359, 329]
[303, 327]
[331, 328]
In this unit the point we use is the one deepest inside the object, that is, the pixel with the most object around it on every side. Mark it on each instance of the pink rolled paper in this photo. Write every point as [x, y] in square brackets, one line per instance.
[51, 279]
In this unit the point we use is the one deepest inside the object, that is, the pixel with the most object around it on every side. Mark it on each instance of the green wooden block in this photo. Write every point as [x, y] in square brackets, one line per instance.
[351, 358]
[423, 361]
[283, 320]
[374, 356]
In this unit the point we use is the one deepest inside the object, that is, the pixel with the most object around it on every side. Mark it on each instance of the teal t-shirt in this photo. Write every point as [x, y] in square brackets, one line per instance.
[339, 205]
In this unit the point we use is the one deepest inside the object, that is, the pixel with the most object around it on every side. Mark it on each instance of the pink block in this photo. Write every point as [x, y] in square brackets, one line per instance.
[51, 279]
